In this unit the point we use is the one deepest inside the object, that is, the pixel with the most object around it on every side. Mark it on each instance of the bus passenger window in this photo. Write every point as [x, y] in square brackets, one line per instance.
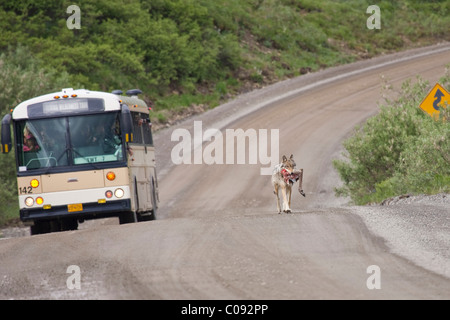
[147, 130]
[137, 125]
[142, 129]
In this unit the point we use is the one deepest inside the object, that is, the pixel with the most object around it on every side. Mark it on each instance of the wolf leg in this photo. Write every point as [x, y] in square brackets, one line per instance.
[285, 200]
[300, 183]
[278, 198]
[289, 191]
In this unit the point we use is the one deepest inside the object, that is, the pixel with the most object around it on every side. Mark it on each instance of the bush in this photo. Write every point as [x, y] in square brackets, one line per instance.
[21, 77]
[400, 150]
[167, 46]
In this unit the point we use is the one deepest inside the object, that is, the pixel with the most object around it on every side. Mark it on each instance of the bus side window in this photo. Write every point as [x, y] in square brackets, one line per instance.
[142, 129]
[137, 124]
[147, 130]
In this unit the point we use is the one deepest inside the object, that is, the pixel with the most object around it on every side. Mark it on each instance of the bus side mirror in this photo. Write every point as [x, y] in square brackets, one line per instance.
[6, 134]
[127, 123]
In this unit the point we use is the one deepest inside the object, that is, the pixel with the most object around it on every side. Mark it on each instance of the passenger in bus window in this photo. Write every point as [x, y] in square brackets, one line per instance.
[99, 134]
[29, 141]
[85, 138]
[95, 136]
[47, 141]
[112, 138]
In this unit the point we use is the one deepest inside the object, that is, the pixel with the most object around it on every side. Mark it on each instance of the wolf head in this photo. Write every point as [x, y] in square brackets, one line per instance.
[288, 164]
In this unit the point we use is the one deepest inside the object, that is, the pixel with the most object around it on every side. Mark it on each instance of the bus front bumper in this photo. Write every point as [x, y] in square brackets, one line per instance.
[85, 211]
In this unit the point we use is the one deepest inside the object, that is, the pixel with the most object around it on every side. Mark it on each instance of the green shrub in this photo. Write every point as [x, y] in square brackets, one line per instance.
[400, 150]
[21, 77]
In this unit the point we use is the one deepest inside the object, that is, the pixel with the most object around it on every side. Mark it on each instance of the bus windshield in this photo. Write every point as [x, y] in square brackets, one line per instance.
[69, 141]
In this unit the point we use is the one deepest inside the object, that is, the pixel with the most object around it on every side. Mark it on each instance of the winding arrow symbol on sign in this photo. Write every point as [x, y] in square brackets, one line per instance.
[438, 95]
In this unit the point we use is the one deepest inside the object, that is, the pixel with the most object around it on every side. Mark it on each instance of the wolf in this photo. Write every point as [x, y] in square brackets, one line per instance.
[284, 176]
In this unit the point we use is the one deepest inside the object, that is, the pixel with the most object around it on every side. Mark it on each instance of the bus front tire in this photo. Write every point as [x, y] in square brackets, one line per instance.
[54, 225]
[127, 217]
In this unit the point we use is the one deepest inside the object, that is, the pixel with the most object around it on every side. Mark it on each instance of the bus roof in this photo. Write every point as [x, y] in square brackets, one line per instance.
[112, 101]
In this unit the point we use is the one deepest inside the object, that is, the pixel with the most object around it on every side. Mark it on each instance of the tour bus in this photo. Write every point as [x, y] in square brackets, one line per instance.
[82, 155]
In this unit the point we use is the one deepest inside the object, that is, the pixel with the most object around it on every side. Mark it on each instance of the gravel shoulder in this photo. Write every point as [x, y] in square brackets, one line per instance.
[414, 227]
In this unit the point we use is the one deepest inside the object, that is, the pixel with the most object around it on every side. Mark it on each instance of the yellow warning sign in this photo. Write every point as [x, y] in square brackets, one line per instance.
[437, 97]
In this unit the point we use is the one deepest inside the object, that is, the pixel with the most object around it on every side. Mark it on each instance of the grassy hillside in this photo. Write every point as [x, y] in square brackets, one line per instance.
[186, 52]
[191, 55]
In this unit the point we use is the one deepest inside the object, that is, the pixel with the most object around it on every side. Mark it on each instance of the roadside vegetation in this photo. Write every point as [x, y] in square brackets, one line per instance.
[401, 150]
[191, 55]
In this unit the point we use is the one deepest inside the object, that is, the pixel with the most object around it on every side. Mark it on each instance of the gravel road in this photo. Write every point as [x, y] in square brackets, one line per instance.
[218, 235]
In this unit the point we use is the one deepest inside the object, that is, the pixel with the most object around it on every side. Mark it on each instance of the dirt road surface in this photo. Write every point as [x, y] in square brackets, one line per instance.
[218, 235]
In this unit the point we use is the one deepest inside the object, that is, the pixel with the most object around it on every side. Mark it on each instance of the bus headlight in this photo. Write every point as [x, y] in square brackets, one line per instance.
[108, 194]
[39, 200]
[119, 193]
[29, 201]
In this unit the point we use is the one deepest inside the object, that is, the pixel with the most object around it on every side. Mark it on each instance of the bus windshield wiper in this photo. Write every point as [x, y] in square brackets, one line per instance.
[74, 151]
